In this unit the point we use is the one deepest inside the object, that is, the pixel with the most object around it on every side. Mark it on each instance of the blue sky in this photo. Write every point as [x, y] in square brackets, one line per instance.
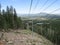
[22, 6]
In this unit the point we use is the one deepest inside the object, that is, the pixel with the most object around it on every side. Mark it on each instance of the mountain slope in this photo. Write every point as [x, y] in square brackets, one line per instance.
[42, 15]
[24, 37]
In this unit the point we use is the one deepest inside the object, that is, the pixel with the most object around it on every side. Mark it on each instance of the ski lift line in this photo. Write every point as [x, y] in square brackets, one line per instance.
[50, 5]
[30, 6]
[36, 4]
[55, 10]
[44, 4]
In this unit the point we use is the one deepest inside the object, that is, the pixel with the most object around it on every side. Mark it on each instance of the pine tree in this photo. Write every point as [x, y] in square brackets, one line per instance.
[0, 16]
[4, 19]
[11, 17]
[15, 19]
[1, 24]
[7, 17]
[0, 9]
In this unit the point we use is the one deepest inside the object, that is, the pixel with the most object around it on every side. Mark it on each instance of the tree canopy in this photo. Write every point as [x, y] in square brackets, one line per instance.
[9, 19]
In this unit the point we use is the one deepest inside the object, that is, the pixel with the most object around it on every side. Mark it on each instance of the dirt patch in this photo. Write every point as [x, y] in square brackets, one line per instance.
[2, 42]
[24, 37]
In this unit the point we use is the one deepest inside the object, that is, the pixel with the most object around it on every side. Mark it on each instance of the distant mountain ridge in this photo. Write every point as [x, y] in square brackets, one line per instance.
[43, 15]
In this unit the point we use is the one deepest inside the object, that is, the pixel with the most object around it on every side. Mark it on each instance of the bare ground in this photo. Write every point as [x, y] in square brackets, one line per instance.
[24, 37]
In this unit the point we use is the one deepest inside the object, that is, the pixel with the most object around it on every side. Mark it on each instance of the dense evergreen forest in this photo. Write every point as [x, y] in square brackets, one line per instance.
[50, 29]
[9, 19]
